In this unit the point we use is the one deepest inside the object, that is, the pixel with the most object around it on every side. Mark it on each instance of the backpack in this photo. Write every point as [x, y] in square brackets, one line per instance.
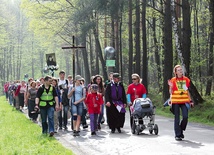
[65, 100]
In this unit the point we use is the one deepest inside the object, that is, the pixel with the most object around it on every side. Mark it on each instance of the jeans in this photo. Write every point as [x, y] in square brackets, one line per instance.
[56, 120]
[77, 109]
[6, 95]
[47, 113]
[93, 122]
[180, 126]
[65, 116]
[11, 99]
[101, 114]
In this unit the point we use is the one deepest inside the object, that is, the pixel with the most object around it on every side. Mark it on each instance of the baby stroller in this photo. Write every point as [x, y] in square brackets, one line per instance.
[143, 116]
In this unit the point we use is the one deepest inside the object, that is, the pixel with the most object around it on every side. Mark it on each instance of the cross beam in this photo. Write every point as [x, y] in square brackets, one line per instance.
[73, 47]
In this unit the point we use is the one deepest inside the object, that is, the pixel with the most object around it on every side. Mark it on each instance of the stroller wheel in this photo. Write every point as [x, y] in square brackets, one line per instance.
[133, 127]
[138, 130]
[150, 130]
[156, 129]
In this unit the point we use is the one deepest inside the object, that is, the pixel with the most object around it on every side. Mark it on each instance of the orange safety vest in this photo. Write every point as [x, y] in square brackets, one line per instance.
[180, 97]
[180, 94]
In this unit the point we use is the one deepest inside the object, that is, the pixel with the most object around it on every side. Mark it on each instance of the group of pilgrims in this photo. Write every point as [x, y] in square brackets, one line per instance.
[54, 99]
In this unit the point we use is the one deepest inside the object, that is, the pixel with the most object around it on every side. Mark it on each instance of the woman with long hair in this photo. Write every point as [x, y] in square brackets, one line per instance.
[180, 99]
[31, 96]
[99, 81]
[77, 96]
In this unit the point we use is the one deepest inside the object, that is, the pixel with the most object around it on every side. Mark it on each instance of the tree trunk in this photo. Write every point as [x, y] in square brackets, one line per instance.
[211, 43]
[145, 59]
[85, 60]
[157, 55]
[79, 64]
[117, 48]
[120, 47]
[32, 51]
[186, 35]
[137, 39]
[193, 91]
[91, 54]
[197, 47]
[168, 53]
[130, 42]
[100, 55]
[97, 68]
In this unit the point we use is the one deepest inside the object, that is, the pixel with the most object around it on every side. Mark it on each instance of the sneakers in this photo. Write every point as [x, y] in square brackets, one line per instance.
[85, 126]
[93, 133]
[178, 138]
[99, 127]
[51, 134]
[182, 136]
[76, 133]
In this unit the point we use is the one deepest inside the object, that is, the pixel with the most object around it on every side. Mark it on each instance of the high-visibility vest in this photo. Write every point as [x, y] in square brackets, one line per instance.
[47, 98]
[180, 97]
[180, 92]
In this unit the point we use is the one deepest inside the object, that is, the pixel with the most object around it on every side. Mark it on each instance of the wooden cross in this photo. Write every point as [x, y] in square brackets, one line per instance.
[73, 47]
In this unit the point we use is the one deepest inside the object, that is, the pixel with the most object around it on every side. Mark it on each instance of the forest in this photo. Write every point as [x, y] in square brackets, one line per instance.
[149, 37]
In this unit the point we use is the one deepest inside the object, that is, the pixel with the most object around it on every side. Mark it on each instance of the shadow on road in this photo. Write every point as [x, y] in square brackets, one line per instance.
[188, 143]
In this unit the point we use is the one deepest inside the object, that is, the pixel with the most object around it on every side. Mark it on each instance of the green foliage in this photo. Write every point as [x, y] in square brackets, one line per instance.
[20, 136]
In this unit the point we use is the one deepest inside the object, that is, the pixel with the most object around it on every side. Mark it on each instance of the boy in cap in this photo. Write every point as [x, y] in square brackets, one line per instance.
[63, 85]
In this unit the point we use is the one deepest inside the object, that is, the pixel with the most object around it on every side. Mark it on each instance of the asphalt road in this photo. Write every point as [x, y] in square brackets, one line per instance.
[199, 139]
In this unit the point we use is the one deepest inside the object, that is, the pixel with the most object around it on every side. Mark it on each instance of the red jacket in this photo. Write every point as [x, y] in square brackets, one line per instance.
[93, 102]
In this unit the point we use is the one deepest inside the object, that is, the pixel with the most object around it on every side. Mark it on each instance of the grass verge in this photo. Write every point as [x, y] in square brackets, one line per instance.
[20, 136]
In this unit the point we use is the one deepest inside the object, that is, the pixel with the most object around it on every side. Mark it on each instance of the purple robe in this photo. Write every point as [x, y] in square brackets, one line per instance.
[116, 95]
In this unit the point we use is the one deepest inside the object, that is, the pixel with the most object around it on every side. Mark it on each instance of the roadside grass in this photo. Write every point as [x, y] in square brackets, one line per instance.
[202, 113]
[18, 135]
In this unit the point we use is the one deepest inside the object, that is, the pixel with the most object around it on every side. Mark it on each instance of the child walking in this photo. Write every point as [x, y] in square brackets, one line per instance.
[94, 100]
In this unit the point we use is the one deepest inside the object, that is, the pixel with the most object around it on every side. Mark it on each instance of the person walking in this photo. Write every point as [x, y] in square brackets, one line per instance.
[180, 99]
[94, 100]
[45, 97]
[115, 98]
[56, 113]
[10, 93]
[99, 81]
[6, 86]
[63, 114]
[84, 112]
[31, 96]
[16, 90]
[77, 96]
[135, 90]
[21, 94]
